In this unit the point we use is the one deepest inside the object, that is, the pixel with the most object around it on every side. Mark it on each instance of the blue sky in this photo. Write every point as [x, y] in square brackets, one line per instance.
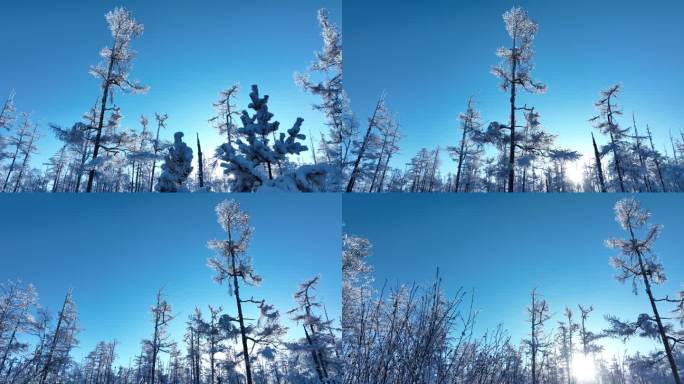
[187, 54]
[502, 246]
[116, 251]
[430, 57]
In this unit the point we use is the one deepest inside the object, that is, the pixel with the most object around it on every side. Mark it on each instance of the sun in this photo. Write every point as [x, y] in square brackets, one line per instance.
[583, 368]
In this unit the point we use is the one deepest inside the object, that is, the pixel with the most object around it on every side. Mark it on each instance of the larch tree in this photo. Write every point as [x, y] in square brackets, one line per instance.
[319, 340]
[18, 141]
[379, 116]
[161, 123]
[16, 306]
[538, 314]
[607, 124]
[638, 263]
[114, 70]
[323, 78]
[30, 147]
[161, 317]
[233, 266]
[471, 124]
[515, 71]
[60, 342]
[7, 118]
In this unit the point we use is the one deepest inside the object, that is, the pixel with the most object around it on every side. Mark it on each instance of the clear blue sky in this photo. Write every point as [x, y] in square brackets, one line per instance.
[503, 246]
[431, 56]
[187, 54]
[116, 251]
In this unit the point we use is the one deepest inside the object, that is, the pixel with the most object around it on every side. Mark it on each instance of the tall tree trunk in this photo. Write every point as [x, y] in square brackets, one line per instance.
[154, 159]
[654, 307]
[511, 154]
[241, 319]
[642, 162]
[461, 156]
[14, 160]
[53, 345]
[657, 162]
[103, 108]
[599, 169]
[200, 171]
[362, 150]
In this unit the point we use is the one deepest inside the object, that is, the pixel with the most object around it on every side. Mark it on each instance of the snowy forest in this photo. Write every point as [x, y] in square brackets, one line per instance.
[516, 153]
[223, 343]
[98, 154]
[417, 334]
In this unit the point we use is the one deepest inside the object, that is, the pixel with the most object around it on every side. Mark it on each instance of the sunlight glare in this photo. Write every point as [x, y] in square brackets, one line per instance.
[583, 368]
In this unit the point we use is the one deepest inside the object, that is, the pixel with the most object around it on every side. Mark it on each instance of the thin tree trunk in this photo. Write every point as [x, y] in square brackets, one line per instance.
[355, 170]
[48, 362]
[201, 181]
[241, 320]
[599, 169]
[511, 154]
[659, 322]
[103, 108]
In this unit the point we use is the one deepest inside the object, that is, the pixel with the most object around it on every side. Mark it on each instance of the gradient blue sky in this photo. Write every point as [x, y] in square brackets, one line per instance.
[116, 251]
[431, 56]
[502, 246]
[187, 54]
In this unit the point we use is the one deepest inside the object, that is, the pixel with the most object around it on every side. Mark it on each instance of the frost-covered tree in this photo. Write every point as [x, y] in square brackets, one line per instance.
[16, 305]
[638, 263]
[607, 124]
[471, 124]
[537, 343]
[226, 113]
[26, 149]
[379, 117]
[114, 70]
[7, 117]
[18, 141]
[177, 166]
[515, 71]
[161, 123]
[319, 336]
[233, 266]
[161, 317]
[324, 79]
[60, 342]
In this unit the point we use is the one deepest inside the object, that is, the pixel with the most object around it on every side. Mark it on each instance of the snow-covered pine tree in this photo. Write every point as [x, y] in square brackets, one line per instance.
[177, 166]
[253, 163]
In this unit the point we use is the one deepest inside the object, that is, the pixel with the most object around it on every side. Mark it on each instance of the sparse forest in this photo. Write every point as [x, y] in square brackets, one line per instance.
[223, 343]
[418, 334]
[517, 152]
[98, 154]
